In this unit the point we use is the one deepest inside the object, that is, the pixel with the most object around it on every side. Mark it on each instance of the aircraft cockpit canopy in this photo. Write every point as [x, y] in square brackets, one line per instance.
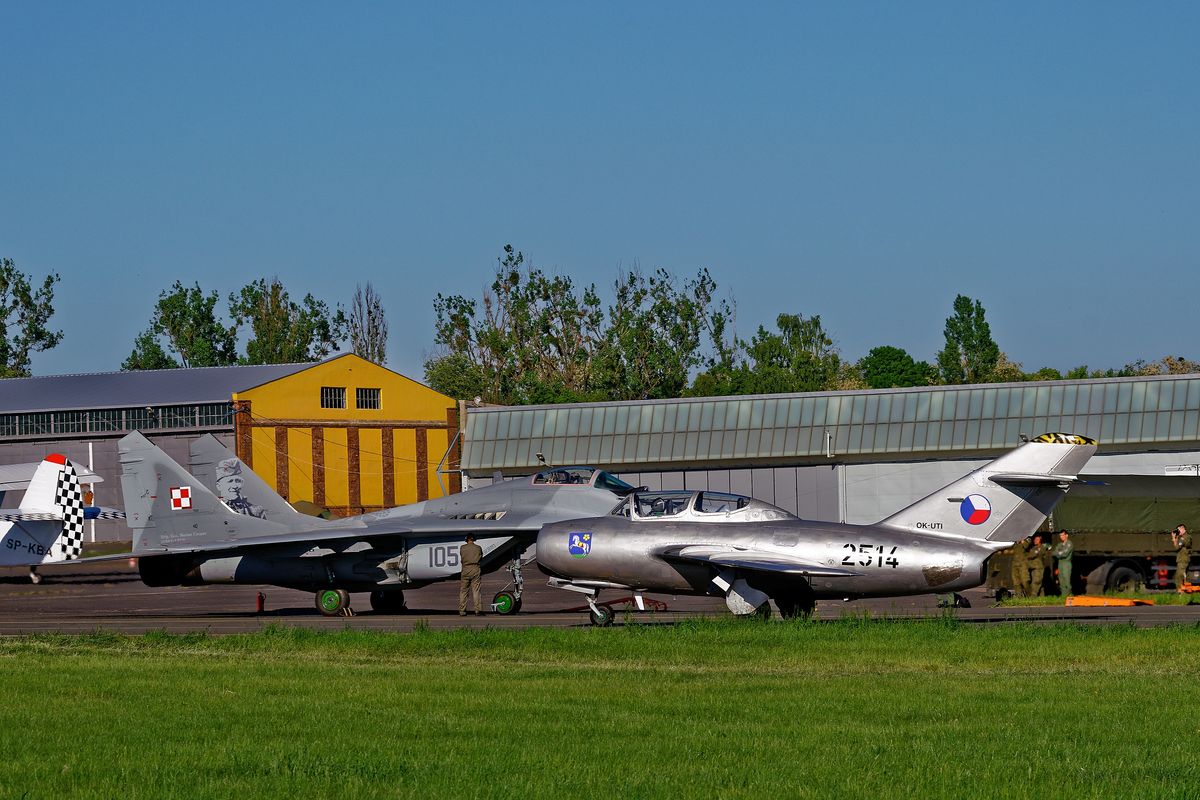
[582, 476]
[698, 507]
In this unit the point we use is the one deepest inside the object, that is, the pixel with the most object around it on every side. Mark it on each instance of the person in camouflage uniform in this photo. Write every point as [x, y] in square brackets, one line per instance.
[1063, 551]
[1183, 554]
[1020, 568]
[1038, 553]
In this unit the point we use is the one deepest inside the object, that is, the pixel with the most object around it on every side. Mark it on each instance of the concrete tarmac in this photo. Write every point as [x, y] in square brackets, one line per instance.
[75, 598]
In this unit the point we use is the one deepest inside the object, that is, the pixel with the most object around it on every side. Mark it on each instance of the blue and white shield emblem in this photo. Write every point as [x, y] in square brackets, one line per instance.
[579, 544]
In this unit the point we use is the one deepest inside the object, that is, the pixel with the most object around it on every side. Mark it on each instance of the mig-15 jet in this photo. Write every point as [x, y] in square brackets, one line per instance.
[747, 551]
[224, 524]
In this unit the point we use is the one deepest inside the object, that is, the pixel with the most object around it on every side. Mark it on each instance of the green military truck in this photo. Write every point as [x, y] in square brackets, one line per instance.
[1122, 535]
[1104, 562]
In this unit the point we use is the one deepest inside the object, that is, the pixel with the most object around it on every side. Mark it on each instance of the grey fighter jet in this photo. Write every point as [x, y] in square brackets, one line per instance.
[225, 525]
[708, 543]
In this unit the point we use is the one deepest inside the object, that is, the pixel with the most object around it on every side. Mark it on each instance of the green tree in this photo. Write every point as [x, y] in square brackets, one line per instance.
[148, 353]
[1045, 374]
[537, 338]
[799, 357]
[1167, 365]
[24, 315]
[186, 318]
[970, 354]
[1006, 371]
[368, 326]
[890, 367]
[534, 341]
[283, 331]
[656, 334]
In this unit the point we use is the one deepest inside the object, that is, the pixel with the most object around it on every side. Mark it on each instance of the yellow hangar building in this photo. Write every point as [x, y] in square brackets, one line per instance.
[347, 435]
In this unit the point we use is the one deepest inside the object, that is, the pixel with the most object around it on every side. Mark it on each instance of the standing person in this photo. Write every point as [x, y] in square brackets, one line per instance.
[1063, 551]
[1037, 566]
[1020, 568]
[1183, 554]
[469, 556]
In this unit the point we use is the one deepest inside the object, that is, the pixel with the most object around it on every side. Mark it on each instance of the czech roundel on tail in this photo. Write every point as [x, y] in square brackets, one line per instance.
[48, 526]
[749, 552]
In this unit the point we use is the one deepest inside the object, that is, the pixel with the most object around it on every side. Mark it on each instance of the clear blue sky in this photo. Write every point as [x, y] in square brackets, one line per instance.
[861, 161]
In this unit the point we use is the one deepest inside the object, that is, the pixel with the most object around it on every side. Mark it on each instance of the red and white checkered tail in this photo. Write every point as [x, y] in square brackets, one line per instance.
[55, 495]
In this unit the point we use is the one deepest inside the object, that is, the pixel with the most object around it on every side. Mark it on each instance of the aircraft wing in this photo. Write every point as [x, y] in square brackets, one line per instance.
[28, 515]
[18, 476]
[402, 529]
[758, 560]
[1032, 479]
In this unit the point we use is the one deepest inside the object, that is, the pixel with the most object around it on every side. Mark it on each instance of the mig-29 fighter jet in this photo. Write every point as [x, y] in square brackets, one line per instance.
[225, 525]
[707, 543]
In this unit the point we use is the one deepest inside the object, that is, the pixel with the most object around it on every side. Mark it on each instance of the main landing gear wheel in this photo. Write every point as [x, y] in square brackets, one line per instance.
[1124, 579]
[795, 607]
[333, 602]
[602, 616]
[506, 603]
[388, 602]
[34, 578]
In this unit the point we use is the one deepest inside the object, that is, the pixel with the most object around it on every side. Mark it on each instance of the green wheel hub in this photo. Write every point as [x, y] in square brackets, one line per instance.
[330, 600]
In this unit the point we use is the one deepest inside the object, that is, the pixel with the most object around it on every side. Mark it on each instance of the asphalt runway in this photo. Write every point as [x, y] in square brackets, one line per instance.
[110, 597]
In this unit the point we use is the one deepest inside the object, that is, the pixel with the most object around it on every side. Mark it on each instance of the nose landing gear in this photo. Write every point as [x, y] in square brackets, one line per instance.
[334, 603]
[508, 600]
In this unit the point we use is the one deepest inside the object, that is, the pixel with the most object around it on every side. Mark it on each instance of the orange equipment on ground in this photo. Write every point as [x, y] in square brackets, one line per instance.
[1094, 600]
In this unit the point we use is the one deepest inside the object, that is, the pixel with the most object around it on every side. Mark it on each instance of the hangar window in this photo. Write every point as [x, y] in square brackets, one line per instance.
[333, 397]
[367, 398]
[107, 419]
[70, 422]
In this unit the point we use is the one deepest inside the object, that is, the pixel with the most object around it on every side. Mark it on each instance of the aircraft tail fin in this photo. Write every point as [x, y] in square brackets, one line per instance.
[52, 511]
[240, 487]
[167, 507]
[1005, 500]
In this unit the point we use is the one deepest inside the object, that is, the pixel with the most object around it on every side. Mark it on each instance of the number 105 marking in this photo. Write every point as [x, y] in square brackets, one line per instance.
[443, 556]
[869, 555]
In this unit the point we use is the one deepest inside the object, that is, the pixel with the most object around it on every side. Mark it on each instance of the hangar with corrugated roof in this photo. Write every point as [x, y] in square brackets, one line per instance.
[859, 456]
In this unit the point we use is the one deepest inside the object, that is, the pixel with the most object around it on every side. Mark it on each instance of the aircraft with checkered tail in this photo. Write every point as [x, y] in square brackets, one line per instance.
[749, 552]
[48, 526]
[221, 523]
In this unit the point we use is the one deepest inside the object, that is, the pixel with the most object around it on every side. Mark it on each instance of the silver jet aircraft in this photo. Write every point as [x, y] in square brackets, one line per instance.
[224, 524]
[708, 543]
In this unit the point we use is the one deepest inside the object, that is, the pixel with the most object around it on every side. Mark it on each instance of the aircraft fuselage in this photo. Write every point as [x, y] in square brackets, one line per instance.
[885, 562]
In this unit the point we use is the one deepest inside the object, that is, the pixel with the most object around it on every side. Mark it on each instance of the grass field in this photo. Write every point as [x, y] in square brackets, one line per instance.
[713, 709]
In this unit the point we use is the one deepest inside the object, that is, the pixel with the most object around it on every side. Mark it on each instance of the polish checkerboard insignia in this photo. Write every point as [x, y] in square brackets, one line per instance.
[68, 496]
[181, 498]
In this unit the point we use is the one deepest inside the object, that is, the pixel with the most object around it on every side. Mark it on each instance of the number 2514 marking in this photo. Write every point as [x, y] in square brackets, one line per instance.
[869, 555]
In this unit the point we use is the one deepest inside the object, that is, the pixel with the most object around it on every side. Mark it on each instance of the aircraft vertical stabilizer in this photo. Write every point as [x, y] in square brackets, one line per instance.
[166, 505]
[239, 486]
[48, 527]
[1006, 499]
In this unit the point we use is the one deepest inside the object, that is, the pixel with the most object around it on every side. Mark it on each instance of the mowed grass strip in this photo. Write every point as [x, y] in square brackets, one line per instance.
[707, 709]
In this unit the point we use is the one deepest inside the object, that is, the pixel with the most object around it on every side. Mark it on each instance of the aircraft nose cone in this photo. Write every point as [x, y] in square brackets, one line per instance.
[548, 536]
[560, 547]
